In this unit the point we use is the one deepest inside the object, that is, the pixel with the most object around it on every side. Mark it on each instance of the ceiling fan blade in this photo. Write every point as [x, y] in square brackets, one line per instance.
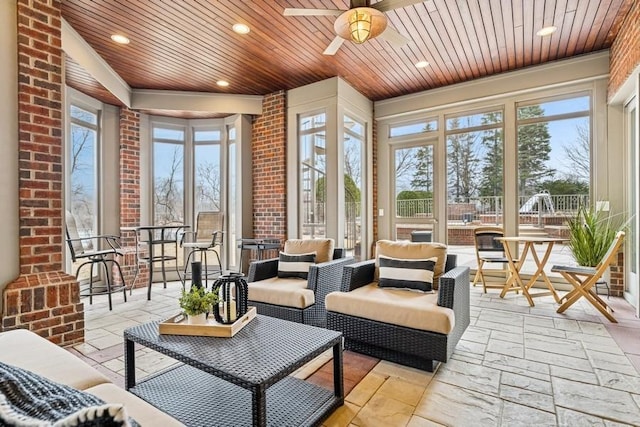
[312, 12]
[394, 37]
[387, 5]
[333, 46]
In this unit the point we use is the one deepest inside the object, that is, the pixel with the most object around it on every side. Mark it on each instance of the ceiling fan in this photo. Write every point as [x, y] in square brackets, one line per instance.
[363, 21]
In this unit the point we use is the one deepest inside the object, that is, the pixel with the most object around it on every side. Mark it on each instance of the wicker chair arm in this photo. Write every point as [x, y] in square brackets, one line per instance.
[264, 269]
[357, 275]
[452, 284]
[327, 275]
[451, 262]
[339, 253]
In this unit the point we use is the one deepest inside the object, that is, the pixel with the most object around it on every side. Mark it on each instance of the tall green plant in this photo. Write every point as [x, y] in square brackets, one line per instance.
[591, 233]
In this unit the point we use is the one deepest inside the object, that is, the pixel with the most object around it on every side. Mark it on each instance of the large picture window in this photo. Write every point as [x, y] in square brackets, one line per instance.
[207, 170]
[313, 170]
[554, 164]
[354, 178]
[475, 172]
[82, 200]
[168, 175]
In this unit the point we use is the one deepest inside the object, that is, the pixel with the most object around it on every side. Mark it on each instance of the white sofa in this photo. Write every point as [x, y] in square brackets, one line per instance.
[29, 351]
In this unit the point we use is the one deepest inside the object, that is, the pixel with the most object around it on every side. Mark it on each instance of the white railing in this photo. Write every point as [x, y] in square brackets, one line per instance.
[477, 207]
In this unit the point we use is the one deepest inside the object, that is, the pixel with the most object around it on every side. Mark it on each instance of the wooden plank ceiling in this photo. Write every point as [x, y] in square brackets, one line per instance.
[189, 44]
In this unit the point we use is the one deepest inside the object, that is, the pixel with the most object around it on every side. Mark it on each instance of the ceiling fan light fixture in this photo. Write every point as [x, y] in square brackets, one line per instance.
[360, 24]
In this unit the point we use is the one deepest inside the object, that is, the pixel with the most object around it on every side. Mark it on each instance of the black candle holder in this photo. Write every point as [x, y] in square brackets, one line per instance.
[232, 293]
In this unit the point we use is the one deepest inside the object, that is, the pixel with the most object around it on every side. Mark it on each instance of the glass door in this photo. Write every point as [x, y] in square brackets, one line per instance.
[632, 291]
[414, 191]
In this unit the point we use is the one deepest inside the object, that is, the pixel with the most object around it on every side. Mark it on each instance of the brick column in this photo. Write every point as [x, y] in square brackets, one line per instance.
[43, 298]
[625, 50]
[130, 193]
[269, 168]
[624, 58]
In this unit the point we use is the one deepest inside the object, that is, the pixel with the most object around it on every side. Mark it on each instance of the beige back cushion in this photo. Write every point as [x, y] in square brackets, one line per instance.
[322, 247]
[413, 250]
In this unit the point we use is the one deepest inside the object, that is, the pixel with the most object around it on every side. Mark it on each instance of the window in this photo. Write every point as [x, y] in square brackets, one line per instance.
[168, 175]
[208, 175]
[413, 128]
[312, 137]
[233, 211]
[475, 173]
[83, 163]
[196, 167]
[554, 166]
[354, 149]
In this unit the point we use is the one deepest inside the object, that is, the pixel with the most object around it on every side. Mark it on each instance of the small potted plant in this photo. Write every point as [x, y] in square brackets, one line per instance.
[196, 303]
[591, 233]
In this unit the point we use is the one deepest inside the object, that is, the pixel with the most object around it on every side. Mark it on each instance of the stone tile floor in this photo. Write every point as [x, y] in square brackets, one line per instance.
[515, 366]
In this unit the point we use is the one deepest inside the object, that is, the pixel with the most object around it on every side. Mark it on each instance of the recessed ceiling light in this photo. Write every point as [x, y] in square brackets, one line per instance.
[222, 83]
[241, 28]
[119, 38]
[422, 64]
[546, 31]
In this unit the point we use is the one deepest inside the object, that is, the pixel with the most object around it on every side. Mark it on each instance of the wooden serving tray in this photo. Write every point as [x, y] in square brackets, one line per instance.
[211, 329]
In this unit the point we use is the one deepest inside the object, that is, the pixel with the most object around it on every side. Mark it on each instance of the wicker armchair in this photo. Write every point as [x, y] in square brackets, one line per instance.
[323, 278]
[412, 347]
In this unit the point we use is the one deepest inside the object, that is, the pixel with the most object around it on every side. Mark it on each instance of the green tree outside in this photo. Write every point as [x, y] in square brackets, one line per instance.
[533, 151]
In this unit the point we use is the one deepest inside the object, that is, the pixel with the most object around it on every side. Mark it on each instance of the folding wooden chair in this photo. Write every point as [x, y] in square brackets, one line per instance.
[584, 279]
[489, 251]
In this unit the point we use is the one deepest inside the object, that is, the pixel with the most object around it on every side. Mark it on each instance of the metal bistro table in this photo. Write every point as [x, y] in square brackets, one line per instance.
[150, 236]
[515, 281]
[258, 245]
[239, 381]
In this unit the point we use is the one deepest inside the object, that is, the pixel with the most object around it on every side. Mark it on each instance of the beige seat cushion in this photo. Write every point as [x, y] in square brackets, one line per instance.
[413, 250]
[27, 350]
[412, 309]
[287, 292]
[322, 247]
[138, 409]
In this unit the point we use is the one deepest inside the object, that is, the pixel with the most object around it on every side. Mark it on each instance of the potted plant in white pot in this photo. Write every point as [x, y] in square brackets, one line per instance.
[196, 303]
[591, 233]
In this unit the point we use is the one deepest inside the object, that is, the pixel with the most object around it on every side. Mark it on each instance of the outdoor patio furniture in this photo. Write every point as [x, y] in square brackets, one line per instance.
[516, 282]
[489, 251]
[150, 238]
[413, 328]
[240, 381]
[297, 299]
[24, 349]
[208, 237]
[584, 279]
[95, 250]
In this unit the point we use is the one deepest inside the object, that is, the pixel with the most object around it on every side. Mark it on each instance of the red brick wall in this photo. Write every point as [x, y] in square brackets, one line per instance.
[130, 194]
[625, 50]
[625, 57]
[43, 298]
[269, 168]
[617, 276]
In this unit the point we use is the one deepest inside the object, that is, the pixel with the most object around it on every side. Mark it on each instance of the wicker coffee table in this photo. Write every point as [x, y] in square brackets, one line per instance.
[239, 381]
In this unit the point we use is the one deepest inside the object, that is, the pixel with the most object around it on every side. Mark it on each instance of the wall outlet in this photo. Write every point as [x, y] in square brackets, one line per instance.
[602, 206]
[380, 212]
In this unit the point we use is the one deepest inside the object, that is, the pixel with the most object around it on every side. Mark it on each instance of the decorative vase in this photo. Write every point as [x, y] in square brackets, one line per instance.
[197, 319]
[196, 274]
[232, 293]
